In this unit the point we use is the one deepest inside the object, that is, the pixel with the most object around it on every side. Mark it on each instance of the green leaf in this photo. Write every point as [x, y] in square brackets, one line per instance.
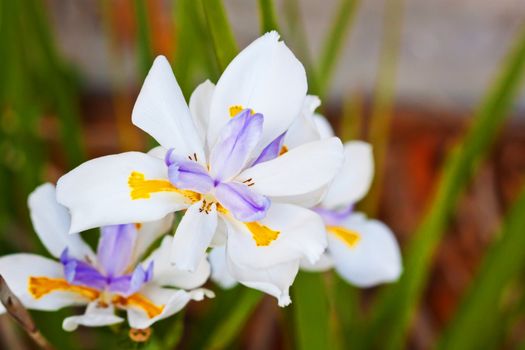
[311, 312]
[397, 303]
[232, 324]
[268, 17]
[220, 31]
[145, 51]
[504, 261]
[334, 42]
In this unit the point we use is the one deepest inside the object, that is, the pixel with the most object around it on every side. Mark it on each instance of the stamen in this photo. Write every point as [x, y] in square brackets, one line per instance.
[142, 188]
[263, 235]
[40, 286]
[195, 156]
[349, 237]
[141, 302]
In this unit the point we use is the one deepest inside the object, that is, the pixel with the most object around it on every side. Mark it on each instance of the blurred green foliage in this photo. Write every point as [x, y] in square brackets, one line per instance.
[38, 88]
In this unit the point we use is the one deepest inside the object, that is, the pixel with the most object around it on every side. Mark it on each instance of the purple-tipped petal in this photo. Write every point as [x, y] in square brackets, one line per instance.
[334, 217]
[78, 272]
[245, 204]
[187, 174]
[236, 142]
[271, 151]
[115, 248]
[131, 283]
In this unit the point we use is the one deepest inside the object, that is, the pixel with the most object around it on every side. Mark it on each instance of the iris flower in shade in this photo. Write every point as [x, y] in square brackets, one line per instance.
[219, 164]
[107, 280]
[364, 252]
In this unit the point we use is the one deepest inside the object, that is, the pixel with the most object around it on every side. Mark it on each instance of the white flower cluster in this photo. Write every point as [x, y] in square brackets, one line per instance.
[263, 185]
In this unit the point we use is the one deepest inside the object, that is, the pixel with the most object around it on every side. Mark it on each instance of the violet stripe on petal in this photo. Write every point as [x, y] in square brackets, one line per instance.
[188, 175]
[245, 204]
[81, 273]
[334, 217]
[271, 151]
[115, 248]
[233, 149]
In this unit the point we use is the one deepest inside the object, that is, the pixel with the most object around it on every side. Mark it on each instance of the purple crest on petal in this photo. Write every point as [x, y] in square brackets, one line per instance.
[245, 204]
[187, 174]
[115, 248]
[131, 283]
[78, 272]
[334, 217]
[271, 151]
[233, 149]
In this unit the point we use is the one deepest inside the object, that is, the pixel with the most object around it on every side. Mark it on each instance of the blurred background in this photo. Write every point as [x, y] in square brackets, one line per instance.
[407, 75]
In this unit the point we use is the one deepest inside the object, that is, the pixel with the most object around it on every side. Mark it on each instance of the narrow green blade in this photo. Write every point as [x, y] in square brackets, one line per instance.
[334, 42]
[395, 307]
[220, 32]
[311, 312]
[504, 261]
[232, 324]
[268, 17]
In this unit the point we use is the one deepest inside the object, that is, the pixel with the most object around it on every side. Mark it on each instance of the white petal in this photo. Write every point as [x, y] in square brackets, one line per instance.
[265, 77]
[374, 259]
[165, 274]
[51, 222]
[301, 234]
[304, 128]
[16, 270]
[200, 102]
[148, 233]
[193, 237]
[158, 152]
[220, 273]
[324, 263]
[274, 280]
[97, 192]
[172, 300]
[323, 126]
[94, 316]
[304, 169]
[162, 112]
[354, 178]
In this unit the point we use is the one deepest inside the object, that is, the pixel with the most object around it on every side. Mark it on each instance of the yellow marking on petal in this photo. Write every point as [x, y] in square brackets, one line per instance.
[283, 150]
[349, 237]
[138, 225]
[142, 188]
[263, 235]
[140, 301]
[236, 109]
[40, 286]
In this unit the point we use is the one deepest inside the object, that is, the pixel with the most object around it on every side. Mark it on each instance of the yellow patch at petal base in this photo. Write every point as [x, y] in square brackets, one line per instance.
[349, 237]
[263, 235]
[236, 109]
[283, 150]
[40, 286]
[141, 302]
[142, 188]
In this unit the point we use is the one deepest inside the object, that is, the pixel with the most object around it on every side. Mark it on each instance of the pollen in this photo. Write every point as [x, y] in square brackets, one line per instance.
[140, 301]
[349, 237]
[142, 188]
[40, 286]
[262, 235]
